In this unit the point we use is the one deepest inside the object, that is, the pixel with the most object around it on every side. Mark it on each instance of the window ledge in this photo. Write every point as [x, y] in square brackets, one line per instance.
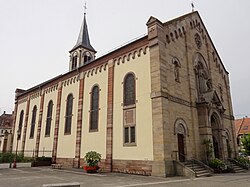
[129, 144]
[93, 130]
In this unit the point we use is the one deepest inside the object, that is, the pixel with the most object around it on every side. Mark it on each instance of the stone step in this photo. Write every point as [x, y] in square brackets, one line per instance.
[238, 169]
[198, 169]
[202, 171]
[195, 166]
[207, 174]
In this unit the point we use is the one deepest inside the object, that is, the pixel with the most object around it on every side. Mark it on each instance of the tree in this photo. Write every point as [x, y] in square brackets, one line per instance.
[246, 143]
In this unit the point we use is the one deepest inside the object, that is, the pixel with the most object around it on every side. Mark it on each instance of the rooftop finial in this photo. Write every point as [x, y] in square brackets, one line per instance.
[192, 5]
[85, 8]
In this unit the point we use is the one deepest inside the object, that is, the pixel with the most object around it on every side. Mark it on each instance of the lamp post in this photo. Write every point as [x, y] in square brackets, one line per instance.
[18, 138]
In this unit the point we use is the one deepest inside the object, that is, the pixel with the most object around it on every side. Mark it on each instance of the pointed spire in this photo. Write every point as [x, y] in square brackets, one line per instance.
[83, 38]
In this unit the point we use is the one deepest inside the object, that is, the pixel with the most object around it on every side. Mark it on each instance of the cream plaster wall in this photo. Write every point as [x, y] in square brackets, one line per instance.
[67, 142]
[95, 141]
[31, 142]
[143, 150]
[21, 106]
[46, 143]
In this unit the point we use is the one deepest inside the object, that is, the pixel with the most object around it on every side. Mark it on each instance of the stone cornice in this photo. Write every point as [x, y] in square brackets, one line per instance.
[171, 98]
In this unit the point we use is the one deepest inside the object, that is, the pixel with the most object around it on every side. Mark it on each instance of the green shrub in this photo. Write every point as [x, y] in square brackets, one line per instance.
[92, 158]
[9, 157]
[216, 164]
[6, 157]
[243, 160]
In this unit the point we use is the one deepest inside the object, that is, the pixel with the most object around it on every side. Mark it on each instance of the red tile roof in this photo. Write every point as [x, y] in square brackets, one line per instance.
[242, 126]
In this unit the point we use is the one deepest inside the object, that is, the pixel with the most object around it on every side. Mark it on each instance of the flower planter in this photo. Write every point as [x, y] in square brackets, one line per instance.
[91, 169]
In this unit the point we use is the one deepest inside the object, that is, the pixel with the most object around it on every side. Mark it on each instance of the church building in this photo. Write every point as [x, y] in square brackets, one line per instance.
[155, 101]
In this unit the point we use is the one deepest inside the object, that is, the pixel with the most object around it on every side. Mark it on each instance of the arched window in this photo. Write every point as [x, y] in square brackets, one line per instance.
[68, 117]
[49, 118]
[20, 125]
[74, 62]
[94, 108]
[129, 90]
[33, 122]
[87, 57]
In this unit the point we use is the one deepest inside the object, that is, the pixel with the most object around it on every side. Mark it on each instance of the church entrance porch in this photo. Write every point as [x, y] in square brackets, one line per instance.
[217, 136]
[181, 132]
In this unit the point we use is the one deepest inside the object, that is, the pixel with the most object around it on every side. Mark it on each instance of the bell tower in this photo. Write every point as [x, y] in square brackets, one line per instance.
[83, 52]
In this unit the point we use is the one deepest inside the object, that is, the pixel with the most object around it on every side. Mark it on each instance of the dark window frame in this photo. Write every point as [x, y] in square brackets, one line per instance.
[94, 108]
[49, 118]
[129, 138]
[74, 62]
[69, 114]
[20, 125]
[129, 89]
[33, 122]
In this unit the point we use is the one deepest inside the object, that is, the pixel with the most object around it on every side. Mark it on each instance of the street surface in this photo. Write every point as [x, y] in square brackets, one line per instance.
[37, 176]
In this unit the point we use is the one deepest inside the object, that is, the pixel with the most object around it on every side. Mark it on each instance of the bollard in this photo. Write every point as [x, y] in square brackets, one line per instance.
[14, 163]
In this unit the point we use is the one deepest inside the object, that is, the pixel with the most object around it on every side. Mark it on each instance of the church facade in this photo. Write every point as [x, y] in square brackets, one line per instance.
[160, 98]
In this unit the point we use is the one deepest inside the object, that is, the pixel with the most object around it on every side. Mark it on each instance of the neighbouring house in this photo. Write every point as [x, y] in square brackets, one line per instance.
[143, 106]
[242, 126]
[6, 122]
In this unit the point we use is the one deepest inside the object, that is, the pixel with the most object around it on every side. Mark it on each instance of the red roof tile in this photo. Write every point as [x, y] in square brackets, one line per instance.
[242, 126]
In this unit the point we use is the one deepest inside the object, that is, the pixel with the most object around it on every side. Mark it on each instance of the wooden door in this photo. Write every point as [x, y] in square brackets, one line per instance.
[181, 147]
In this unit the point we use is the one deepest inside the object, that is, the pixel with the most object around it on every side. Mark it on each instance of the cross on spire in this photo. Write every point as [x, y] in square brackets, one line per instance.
[85, 8]
[192, 5]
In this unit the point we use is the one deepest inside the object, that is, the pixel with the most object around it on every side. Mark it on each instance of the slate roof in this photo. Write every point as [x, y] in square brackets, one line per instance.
[83, 38]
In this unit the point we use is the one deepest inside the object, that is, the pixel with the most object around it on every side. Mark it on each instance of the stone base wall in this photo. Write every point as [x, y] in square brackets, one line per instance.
[73, 163]
[66, 162]
[138, 167]
[132, 167]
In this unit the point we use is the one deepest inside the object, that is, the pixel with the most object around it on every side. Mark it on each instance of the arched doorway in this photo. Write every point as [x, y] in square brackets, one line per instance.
[217, 145]
[181, 131]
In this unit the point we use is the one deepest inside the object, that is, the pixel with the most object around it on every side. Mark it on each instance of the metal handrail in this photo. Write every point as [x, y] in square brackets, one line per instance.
[204, 165]
[237, 163]
[193, 160]
[187, 168]
[185, 157]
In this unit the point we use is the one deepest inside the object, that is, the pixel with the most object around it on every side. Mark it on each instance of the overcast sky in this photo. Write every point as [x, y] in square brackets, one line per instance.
[36, 35]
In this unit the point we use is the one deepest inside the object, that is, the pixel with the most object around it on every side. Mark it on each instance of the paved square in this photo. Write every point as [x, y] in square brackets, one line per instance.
[36, 177]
